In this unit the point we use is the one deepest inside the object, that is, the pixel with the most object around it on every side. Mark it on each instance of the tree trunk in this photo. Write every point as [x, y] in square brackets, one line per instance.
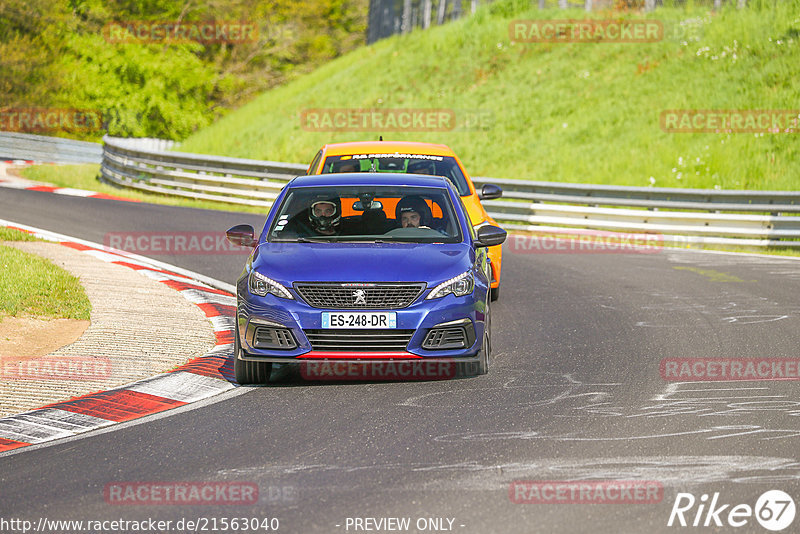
[426, 14]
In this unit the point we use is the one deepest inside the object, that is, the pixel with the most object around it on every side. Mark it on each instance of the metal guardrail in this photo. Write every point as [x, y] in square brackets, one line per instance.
[48, 149]
[216, 178]
[679, 216]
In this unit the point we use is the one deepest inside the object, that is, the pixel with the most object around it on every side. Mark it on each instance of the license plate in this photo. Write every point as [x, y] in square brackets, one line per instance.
[359, 320]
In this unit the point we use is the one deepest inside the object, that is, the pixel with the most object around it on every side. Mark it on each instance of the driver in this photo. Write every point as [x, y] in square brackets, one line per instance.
[325, 215]
[413, 212]
[421, 167]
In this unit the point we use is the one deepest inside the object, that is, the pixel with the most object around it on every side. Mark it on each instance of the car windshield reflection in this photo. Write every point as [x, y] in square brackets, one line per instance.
[366, 213]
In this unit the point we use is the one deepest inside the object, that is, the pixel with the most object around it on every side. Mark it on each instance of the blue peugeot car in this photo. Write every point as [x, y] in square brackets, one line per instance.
[364, 268]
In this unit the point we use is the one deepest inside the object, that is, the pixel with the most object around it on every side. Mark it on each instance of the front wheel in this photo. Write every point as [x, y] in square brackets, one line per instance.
[485, 354]
[248, 372]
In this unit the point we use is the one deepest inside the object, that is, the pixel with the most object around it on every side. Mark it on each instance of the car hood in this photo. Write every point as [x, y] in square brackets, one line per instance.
[362, 262]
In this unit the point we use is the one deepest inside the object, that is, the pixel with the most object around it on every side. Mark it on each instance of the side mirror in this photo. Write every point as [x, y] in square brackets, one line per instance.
[489, 236]
[242, 235]
[490, 192]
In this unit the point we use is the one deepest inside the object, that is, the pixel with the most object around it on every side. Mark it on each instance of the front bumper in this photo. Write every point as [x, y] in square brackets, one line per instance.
[418, 320]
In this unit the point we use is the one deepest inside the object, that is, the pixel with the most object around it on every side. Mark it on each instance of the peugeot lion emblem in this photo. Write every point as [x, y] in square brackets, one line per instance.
[361, 297]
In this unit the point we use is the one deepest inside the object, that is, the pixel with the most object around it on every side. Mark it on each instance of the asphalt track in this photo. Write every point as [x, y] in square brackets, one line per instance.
[574, 393]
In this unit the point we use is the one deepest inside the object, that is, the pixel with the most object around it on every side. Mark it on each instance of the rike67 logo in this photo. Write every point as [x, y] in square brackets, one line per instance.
[774, 510]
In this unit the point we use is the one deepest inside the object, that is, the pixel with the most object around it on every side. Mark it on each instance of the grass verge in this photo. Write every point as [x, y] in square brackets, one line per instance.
[34, 286]
[565, 112]
[9, 234]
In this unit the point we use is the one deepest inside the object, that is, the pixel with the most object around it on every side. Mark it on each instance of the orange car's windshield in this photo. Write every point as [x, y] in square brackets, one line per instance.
[407, 163]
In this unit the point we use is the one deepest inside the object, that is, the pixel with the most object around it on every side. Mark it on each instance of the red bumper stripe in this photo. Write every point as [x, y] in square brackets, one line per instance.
[358, 355]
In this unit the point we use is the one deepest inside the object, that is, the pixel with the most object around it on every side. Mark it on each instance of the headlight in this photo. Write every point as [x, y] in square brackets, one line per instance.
[261, 285]
[461, 285]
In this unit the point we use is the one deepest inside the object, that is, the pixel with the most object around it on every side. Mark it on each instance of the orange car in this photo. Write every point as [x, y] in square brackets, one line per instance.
[416, 158]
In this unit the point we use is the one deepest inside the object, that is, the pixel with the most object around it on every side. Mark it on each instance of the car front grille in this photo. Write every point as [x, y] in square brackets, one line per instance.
[336, 340]
[378, 295]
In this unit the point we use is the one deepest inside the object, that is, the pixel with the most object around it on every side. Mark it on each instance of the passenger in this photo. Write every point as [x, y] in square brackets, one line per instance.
[349, 166]
[413, 212]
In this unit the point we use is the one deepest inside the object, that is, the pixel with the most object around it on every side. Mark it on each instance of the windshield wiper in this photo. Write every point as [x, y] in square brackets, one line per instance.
[313, 239]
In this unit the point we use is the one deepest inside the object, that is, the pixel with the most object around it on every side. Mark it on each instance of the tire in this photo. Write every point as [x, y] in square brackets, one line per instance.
[485, 354]
[494, 293]
[248, 372]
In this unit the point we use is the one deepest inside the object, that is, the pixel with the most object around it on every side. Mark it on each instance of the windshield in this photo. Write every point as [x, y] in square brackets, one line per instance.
[366, 213]
[408, 163]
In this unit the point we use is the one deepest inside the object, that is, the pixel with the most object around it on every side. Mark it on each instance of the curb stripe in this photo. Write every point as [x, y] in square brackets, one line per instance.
[197, 297]
[118, 405]
[222, 322]
[179, 285]
[179, 386]
[198, 379]
[75, 246]
[48, 423]
[214, 367]
[138, 267]
[224, 337]
[213, 309]
[42, 188]
[68, 191]
[10, 444]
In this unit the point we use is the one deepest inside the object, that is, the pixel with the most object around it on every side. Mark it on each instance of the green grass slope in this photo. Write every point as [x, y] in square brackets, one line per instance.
[574, 112]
